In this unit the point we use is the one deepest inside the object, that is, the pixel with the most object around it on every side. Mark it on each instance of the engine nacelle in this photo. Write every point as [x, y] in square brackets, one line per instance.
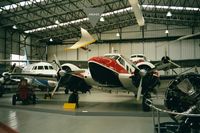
[147, 64]
[70, 67]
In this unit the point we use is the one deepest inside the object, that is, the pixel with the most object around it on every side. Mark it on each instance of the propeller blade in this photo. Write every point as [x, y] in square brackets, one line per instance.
[12, 69]
[56, 87]
[139, 90]
[57, 61]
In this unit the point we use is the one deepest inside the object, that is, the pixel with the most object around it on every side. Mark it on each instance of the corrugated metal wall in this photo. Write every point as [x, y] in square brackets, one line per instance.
[154, 50]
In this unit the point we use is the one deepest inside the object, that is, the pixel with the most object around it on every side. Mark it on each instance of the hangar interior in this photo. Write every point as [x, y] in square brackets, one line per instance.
[47, 27]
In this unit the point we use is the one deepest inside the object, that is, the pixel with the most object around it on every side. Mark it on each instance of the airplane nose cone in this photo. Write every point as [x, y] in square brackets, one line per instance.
[62, 73]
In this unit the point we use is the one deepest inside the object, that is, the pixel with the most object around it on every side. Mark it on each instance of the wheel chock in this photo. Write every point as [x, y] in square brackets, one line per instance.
[69, 106]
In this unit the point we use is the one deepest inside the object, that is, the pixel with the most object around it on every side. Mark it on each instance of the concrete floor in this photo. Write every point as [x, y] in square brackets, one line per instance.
[98, 112]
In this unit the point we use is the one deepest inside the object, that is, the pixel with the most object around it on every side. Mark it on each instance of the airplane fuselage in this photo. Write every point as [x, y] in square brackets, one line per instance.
[40, 68]
[116, 70]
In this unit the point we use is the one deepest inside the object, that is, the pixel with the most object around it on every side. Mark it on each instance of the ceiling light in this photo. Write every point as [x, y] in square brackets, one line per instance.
[166, 32]
[117, 34]
[51, 40]
[169, 14]
[102, 19]
[14, 27]
[127, 9]
[57, 22]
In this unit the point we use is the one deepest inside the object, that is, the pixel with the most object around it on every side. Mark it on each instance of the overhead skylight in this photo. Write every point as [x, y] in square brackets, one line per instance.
[22, 4]
[112, 13]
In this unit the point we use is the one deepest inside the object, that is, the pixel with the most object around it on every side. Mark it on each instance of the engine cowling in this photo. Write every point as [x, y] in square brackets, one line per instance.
[183, 96]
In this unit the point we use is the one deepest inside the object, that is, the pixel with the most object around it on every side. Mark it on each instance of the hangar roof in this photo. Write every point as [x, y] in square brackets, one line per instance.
[63, 18]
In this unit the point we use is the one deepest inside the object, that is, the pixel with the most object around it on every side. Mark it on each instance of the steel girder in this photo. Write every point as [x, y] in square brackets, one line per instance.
[45, 13]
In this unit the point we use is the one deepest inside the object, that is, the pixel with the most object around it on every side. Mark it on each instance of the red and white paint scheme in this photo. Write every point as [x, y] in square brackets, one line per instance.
[137, 58]
[115, 70]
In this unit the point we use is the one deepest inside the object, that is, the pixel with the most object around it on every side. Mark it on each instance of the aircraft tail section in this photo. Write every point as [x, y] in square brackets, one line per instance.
[26, 56]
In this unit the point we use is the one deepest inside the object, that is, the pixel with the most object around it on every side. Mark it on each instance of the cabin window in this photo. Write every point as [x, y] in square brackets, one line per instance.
[127, 68]
[46, 67]
[40, 67]
[121, 61]
[50, 67]
[34, 68]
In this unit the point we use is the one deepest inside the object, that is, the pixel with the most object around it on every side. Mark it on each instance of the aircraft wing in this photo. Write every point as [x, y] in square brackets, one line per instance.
[166, 66]
[39, 76]
[86, 39]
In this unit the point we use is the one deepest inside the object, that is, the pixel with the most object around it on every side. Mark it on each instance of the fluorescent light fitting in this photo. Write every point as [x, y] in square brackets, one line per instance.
[169, 14]
[111, 13]
[166, 32]
[19, 4]
[14, 27]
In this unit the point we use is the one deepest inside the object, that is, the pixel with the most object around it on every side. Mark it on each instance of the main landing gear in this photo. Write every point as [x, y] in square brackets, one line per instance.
[145, 107]
[74, 98]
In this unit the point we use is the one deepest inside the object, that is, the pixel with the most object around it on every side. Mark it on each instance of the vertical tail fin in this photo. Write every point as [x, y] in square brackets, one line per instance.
[26, 56]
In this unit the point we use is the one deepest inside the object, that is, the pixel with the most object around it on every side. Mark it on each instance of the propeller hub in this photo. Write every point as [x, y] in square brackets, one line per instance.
[62, 73]
[143, 72]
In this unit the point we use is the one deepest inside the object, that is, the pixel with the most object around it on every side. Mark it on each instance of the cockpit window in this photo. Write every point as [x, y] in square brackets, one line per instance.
[140, 56]
[40, 67]
[50, 67]
[121, 61]
[133, 56]
[46, 67]
[115, 57]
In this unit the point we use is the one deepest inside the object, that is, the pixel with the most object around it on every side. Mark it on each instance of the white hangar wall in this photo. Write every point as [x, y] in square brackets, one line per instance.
[154, 50]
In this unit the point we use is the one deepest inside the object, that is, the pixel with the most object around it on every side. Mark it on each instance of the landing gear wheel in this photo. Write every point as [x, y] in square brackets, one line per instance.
[34, 99]
[14, 100]
[66, 91]
[74, 98]
[47, 96]
[145, 107]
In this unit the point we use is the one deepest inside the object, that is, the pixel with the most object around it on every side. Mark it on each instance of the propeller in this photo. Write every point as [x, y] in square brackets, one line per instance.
[57, 61]
[142, 74]
[61, 73]
[139, 90]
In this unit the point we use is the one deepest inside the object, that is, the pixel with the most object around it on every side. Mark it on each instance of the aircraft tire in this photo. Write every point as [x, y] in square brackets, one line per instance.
[145, 107]
[34, 99]
[66, 91]
[73, 98]
[14, 100]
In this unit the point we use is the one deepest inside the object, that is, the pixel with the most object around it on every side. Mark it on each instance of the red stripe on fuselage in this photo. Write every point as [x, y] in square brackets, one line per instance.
[109, 63]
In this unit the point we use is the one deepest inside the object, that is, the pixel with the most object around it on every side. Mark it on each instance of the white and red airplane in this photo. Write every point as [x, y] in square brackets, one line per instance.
[115, 70]
[112, 70]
